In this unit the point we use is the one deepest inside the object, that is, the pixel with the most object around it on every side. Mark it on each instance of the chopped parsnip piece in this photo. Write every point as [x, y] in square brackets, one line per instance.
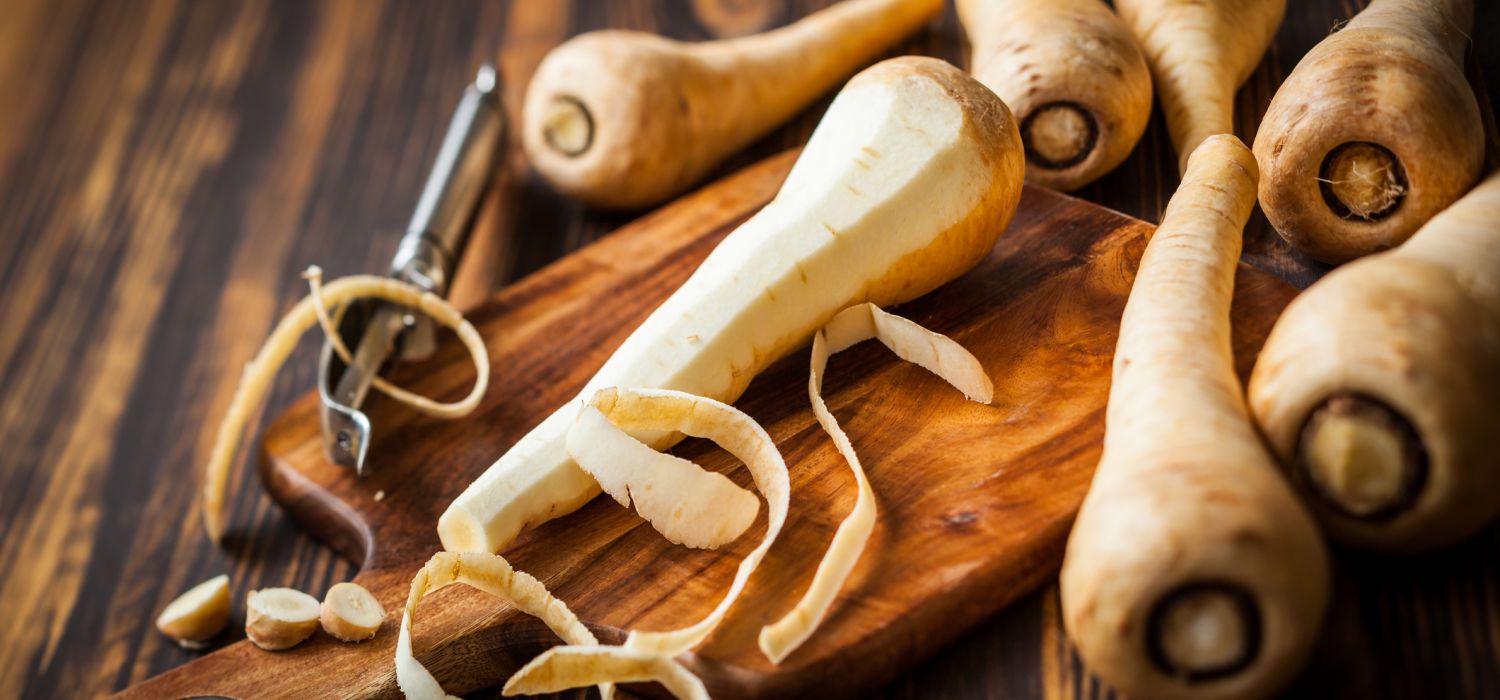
[197, 615]
[350, 613]
[492, 574]
[280, 618]
[913, 343]
[283, 339]
[562, 668]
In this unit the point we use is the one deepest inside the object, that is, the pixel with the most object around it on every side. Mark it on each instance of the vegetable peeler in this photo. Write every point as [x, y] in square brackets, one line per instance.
[426, 257]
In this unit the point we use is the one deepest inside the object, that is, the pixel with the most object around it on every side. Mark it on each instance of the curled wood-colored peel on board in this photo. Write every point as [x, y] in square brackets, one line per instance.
[631, 410]
[913, 343]
[197, 615]
[492, 574]
[687, 505]
[565, 667]
[283, 339]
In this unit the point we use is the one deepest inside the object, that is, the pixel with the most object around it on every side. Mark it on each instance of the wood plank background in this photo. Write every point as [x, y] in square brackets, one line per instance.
[166, 170]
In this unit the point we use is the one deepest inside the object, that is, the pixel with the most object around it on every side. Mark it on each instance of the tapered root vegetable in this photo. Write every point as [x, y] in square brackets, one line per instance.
[198, 615]
[1071, 73]
[350, 613]
[1192, 570]
[280, 618]
[1379, 388]
[625, 119]
[311, 311]
[1374, 132]
[1200, 52]
[913, 173]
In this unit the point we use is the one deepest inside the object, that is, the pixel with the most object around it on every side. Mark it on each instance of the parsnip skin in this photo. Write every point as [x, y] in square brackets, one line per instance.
[1414, 332]
[623, 119]
[1200, 52]
[1188, 525]
[1375, 131]
[1071, 73]
[907, 182]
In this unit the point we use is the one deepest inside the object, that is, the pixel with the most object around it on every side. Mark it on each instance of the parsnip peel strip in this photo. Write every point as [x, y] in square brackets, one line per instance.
[565, 667]
[687, 505]
[492, 574]
[636, 410]
[913, 343]
[259, 371]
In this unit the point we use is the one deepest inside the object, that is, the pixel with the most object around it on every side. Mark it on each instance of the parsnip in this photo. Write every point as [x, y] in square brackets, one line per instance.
[1200, 52]
[1192, 570]
[914, 171]
[1071, 73]
[350, 613]
[1379, 387]
[280, 618]
[198, 615]
[1374, 132]
[626, 119]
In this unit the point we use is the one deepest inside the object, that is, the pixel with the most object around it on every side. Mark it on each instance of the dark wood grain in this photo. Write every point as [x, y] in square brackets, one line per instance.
[975, 503]
[166, 170]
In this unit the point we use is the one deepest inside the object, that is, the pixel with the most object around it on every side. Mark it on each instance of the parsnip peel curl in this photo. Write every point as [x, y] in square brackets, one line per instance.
[562, 668]
[632, 410]
[913, 343]
[259, 371]
[492, 574]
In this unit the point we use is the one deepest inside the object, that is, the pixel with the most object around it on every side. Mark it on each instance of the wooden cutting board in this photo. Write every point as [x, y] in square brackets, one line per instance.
[975, 502]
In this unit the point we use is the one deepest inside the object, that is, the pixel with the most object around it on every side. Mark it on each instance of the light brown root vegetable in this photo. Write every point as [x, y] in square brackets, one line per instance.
[626, 119]
[493, 575]
[1200, 52]
[1374, 132]
[350, 613]
[913, 173]
[1192, 571]
[1379, 387]
[312, 310]
[913, 343]
[198, 615]
[1071, 73]
[280, 618]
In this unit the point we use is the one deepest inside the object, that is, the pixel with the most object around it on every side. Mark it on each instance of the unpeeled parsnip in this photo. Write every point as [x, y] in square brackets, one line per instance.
[1071, 73]
[1374, 132]
[1192, 570]
[906, 183]
[625, 119]
[1200, 51]
[1380, 386]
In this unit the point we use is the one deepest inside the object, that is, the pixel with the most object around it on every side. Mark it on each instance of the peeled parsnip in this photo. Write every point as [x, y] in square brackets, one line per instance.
[1374, 132]
[1379, 387]
[1071, 73]
[906, 183]
[1192, 570]
[623, 119]
[1200, 52]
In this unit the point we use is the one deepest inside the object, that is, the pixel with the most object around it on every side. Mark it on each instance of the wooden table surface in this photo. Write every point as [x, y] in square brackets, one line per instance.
[168, 168]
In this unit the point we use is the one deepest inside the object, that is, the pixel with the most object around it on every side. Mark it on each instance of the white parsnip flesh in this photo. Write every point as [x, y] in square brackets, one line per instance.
[350, 613]
[913, 173]
[196, 616]
[280, 618]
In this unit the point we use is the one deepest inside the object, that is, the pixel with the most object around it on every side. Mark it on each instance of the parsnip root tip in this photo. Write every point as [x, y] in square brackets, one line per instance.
[197, 615]
[350, 613]
[1362, 180]
[280, 618]
[1059, 135]
[568, 126]
[1362, 458]
[1204, 631]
